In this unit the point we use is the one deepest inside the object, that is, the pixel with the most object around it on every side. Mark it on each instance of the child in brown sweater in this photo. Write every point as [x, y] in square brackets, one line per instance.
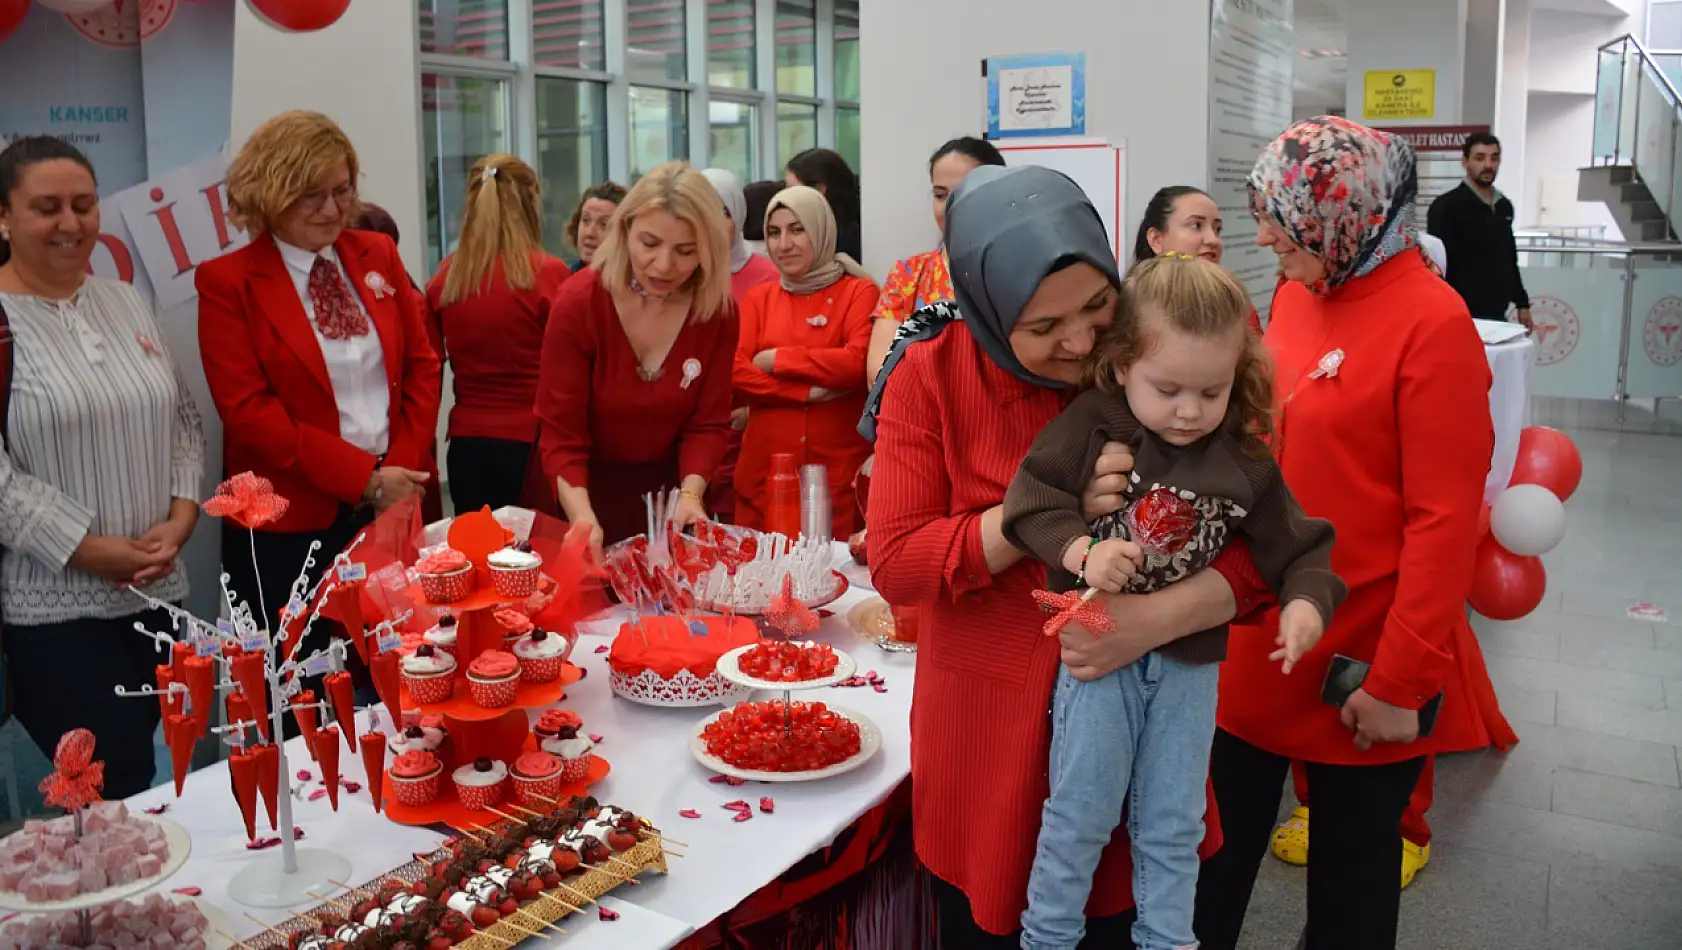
[1180, 380]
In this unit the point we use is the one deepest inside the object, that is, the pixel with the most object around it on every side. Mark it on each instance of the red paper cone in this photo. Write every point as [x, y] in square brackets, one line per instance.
[201, 685]
[344, 603]
[386, 670]
[249, 673]
[373, 763]
[327, 753]
[268, 781]
[178, 655]
[303, 710]
[168, 703]
[342, 695]
[238, 709]
[182, 736]
[244, 768]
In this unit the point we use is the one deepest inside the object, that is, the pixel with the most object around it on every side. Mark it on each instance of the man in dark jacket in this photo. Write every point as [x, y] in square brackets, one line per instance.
[1475, 223]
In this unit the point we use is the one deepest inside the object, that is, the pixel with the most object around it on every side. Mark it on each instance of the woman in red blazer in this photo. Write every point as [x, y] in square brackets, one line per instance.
[1375, 357]
[317, 355]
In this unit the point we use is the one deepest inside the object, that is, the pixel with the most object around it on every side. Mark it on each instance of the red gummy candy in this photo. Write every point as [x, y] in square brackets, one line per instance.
[1162, 522]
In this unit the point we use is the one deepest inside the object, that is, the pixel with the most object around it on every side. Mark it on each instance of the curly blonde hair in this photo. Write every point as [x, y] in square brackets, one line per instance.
[685, 194]
[1200, 299]
[285, 159]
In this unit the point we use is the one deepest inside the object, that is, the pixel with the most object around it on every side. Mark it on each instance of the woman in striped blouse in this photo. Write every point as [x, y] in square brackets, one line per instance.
[100, 481]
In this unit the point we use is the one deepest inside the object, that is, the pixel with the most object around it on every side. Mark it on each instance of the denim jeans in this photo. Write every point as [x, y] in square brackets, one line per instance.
[1138, 738]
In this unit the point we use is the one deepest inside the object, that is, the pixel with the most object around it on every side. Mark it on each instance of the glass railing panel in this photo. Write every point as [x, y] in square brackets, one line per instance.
[1655, 330]
[1608, 105]
[1577, 304]
[1655, 137]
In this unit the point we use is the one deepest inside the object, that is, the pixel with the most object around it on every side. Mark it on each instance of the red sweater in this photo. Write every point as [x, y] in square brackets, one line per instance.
[1393, 451]
[952, 431]
[493, 341]
[605, 429]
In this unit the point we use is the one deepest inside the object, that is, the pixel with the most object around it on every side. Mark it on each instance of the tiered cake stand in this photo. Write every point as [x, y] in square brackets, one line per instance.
[729, 667]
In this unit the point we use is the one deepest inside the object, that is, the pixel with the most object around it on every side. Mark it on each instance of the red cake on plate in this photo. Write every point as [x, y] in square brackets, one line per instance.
[666, 662]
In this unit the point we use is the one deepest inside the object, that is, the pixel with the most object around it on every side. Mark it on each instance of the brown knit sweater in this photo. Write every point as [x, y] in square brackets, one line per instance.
[1229, 490]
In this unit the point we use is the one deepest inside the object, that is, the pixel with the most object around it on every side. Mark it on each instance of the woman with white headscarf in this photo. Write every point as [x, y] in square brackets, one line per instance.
[800, 358]
[747, 269]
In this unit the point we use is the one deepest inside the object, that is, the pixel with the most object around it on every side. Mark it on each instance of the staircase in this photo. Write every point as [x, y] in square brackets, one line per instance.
[1636, 169]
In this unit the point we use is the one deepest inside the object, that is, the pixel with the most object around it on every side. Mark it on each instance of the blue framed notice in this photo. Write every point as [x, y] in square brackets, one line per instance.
[1037, 95]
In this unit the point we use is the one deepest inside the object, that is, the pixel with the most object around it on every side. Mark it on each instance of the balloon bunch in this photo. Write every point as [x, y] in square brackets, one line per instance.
[1526, 522]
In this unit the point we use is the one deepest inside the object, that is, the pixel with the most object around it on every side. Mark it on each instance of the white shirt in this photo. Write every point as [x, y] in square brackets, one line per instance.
[355, 365]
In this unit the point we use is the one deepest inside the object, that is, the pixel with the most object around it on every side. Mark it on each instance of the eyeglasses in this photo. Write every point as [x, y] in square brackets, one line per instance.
[313, 201]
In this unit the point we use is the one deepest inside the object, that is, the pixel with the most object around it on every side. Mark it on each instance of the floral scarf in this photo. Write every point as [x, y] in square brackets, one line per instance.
[1342, 192]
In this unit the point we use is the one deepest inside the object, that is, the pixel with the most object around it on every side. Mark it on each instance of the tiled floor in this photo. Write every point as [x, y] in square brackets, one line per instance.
[1574, 839]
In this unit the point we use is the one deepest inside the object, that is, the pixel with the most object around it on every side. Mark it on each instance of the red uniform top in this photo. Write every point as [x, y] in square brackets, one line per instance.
[820, 340]
[1393, 450]
[721, 494]
[268, 378]
[952, 431]
[758, 270]
[605, 429]
[494, 342]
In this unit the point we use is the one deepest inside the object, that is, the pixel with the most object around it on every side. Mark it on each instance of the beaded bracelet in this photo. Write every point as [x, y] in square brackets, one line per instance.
[1080, 577]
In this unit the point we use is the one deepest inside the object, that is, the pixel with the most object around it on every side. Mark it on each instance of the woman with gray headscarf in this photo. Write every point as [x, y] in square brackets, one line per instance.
[964, 391]
[747, 269]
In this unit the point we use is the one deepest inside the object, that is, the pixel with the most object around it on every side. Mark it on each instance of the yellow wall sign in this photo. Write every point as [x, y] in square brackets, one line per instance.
[1400, 94]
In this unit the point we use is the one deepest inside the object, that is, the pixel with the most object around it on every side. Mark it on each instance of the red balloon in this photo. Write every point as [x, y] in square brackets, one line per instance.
[1549, 458]
[12, 13]
[302, 16]
[1505, 586]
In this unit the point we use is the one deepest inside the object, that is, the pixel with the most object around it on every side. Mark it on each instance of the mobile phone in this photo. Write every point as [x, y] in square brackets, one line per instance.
[1345, 676]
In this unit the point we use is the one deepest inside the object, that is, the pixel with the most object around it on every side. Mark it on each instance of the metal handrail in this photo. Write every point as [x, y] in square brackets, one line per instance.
[1646, 60]
[1617, 250]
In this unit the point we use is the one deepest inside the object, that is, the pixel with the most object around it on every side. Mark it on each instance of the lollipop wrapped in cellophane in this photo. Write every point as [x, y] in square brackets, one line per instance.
[1161, 522]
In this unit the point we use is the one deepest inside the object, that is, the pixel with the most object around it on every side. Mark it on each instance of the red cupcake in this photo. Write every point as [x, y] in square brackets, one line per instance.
[445, 577]
[537, 779]
[429, 674]
[415, 778]
[493, 678]
[541, 655]
[481, 784]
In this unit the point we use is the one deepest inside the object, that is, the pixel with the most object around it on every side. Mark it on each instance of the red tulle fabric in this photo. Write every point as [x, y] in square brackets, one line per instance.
[248, 500]
[789, 615]
[1068, 608]
[77, 779]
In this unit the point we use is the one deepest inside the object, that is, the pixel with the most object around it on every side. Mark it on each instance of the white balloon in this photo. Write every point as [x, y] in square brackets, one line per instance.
[75, 7]
[1528, 520]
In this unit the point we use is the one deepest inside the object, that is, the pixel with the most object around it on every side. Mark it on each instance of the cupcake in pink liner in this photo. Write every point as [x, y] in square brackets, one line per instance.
[493, 677]
[481, 784]
[514, 623]
[425, 734]
[514, 570]
[429, 675]
[537, 779]
[445, 576]
[541, 655]
[415, 778]
[442, 635]
[560, 733]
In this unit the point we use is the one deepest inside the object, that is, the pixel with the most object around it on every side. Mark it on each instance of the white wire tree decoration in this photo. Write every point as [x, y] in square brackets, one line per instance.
[250, 502]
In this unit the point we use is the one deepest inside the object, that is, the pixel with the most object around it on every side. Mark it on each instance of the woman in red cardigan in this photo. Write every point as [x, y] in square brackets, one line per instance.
[959, 401]
[1374, 356]
[317, 355]
[634, 393]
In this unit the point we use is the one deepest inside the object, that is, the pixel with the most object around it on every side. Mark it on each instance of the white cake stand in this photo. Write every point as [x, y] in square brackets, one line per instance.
[268, 882]
[180, 845]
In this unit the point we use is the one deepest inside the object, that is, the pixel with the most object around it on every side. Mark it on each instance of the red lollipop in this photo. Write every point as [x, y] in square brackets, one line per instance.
[1162, 522]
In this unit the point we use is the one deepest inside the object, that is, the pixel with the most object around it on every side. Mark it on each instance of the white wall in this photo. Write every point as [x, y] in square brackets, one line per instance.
[1556, 145]
[1562, 45]
[364, 72]
[1147, 84]
[1416, 34]
[1512, 106]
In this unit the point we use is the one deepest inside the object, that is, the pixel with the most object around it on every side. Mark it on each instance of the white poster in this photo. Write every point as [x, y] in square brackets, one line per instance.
[1655, 335]
[1250, 60]
[178, 222]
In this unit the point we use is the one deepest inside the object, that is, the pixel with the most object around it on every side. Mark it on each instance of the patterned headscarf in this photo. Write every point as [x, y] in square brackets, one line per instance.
[1342, 192]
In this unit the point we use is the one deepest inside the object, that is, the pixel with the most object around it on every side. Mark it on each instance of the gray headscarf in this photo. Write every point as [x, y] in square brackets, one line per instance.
[1007, 229]
[736, 203]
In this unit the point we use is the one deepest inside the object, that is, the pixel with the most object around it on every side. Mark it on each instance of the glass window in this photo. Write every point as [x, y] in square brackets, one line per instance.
[463, 120]
[731, 61]
[797, 48]
[659, 128]
[477, 28]
[735, 137]
[847, 51]
[655, 49]
[797, 131]
[847, 136]
[571, 151]
[567, 33]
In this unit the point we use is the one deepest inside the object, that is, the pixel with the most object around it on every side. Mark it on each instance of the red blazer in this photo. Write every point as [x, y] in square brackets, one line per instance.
[270, 384]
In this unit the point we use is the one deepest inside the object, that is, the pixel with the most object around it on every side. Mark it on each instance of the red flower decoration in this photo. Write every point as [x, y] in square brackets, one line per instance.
[1069, 608]
[789, 615]
[248, 500]
[77, 779]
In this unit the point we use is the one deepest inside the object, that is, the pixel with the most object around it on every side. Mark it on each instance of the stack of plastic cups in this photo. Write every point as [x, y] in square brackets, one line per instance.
[782, 497]
[814, 503]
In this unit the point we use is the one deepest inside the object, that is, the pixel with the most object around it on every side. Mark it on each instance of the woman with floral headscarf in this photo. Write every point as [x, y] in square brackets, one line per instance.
[1383, 429]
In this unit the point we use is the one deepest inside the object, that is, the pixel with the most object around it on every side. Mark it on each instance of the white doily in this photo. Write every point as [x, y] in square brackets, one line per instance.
[683, 690]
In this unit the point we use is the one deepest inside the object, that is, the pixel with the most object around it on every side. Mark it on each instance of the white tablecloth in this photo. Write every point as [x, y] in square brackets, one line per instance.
[653, 775]
[1509, 407]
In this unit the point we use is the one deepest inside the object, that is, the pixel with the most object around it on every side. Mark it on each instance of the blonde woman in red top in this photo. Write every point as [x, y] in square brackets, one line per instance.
[800, 362]
[489, 303]
[1373, 353]
[634, 395]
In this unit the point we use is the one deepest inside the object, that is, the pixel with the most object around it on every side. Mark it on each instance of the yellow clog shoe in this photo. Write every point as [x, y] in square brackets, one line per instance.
[1414, 859]
[1290, 840]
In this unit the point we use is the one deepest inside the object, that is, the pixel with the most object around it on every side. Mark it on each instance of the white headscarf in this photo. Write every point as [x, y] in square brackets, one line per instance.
[736, 203]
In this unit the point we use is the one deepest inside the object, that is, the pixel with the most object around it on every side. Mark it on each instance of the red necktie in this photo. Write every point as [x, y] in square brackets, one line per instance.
[336, 310]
